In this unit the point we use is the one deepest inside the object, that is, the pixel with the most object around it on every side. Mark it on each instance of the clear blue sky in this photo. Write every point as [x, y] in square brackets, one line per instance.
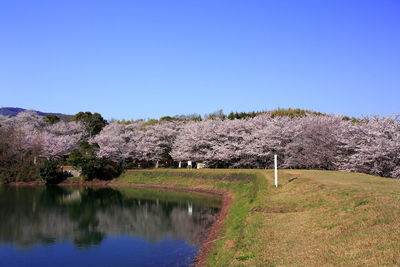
[141, 59]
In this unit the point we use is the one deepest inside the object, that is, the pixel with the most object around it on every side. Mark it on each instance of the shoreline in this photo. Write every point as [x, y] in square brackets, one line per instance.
[212, 234]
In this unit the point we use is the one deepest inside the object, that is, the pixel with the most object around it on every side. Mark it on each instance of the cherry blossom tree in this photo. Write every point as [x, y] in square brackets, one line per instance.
[113, 141]
[32, 134]
[311, 142]
[268, 136]
[156, 141]
[372, 146]
[196, 141]
[26, 127]
[59, 139]
[315, 143]
[118, 141]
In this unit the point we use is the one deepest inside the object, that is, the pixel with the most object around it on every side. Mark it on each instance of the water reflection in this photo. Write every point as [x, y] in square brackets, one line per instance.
[86, 216]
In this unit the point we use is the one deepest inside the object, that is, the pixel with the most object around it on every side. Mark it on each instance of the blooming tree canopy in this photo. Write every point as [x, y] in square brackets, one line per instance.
[311, 141]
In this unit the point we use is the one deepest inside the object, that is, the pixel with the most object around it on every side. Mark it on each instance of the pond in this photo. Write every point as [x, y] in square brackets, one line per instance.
[101, 226]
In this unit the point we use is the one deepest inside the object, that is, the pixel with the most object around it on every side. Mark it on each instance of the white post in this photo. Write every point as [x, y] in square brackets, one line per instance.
[180, 164]
[190, 208]
[276, 170]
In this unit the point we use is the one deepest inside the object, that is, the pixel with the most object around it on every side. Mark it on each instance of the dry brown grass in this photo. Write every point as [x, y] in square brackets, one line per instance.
[327, 218]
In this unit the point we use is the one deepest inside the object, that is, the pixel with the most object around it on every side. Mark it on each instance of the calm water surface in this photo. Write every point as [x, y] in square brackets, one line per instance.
[80, 226]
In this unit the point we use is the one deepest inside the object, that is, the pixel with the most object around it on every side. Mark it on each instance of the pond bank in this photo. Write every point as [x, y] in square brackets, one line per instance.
[212, 233]
[312, 218]
[239, 188]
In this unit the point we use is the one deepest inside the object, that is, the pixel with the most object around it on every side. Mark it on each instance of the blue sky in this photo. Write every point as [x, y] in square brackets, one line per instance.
[142, 59]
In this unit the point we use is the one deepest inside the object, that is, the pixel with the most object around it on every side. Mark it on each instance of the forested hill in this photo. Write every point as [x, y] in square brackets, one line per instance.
[219, 114]
[12, 112]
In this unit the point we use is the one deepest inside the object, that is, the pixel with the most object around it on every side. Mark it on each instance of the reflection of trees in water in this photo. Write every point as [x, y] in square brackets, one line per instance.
[151, 221]
[86, 216]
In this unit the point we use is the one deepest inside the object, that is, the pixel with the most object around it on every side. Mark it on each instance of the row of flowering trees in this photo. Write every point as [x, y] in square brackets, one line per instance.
[370, 145]
[28, 137]
[30, 134]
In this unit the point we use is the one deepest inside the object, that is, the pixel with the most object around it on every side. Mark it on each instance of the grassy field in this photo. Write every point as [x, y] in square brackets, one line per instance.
[312, 218]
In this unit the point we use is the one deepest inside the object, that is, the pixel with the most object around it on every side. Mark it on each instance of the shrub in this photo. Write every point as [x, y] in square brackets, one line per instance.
[91, 166]
[50, 173]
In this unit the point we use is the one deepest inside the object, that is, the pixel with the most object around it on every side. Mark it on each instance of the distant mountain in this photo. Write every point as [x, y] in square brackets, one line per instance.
[12, 112]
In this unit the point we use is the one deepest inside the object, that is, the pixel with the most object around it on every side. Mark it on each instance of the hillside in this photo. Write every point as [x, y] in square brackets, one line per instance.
[12, 112]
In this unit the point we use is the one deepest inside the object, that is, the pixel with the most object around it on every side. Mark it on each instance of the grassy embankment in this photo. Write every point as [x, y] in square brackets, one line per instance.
[312, 218]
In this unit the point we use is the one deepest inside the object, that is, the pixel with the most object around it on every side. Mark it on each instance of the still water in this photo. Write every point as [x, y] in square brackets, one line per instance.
[97, 226]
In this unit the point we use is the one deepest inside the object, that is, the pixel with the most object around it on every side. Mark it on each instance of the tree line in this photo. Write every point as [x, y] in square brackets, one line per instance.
[32, 146]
